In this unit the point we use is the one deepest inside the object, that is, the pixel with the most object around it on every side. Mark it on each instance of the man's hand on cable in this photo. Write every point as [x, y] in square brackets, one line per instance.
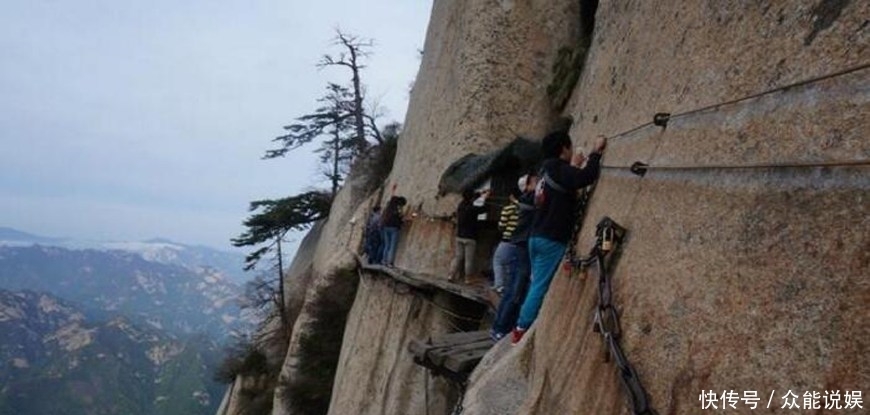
[600, 144]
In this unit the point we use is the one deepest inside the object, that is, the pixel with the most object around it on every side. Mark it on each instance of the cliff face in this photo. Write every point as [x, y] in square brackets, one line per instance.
[482, 82]
[729, 278]
[734, 279]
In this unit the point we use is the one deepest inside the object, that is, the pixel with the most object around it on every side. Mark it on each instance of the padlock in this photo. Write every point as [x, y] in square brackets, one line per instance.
[607, 239]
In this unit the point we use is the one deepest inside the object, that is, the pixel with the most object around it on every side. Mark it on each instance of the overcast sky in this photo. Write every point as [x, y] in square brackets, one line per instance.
[127, 120]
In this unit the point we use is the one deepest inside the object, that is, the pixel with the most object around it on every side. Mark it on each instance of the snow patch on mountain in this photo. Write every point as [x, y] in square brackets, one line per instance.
[150, 284]
[163, 252]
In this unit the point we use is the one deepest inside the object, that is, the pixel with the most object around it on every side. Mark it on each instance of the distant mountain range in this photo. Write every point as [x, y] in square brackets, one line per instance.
[132, 328]
[161, 250]
[107, 283]
[14, 236]
[55, 360]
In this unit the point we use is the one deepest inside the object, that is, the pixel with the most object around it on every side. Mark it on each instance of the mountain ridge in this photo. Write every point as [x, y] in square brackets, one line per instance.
[113, 366]
[159, 249]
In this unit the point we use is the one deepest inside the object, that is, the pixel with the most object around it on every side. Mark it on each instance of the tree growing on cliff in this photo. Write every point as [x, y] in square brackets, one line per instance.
[331, 120]
[268, 225]
[354, 51]
[345, 117]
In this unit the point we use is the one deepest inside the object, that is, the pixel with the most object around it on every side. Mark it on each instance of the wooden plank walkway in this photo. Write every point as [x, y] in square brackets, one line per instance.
[428, 282]
[455, 354]
[452, 355]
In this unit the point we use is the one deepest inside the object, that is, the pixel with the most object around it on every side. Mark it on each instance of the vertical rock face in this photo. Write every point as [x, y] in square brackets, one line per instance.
[376, 374]
[730, 279]
[335, 241]
[482, 82]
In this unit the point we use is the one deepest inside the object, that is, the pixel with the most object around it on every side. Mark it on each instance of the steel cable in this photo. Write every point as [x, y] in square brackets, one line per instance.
[746, 98]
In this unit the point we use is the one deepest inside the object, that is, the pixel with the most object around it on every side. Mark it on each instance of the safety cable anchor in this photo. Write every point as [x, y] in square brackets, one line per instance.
[639, 168]
[661, 119]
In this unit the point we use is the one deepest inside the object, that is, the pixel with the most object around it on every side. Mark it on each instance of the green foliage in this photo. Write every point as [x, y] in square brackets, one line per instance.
[333, 115]
[569, 60]
[249, 362]
[277, 217]
[334, 119]
[246, 361]
[566, 72]
[379, 162]
[311, 392]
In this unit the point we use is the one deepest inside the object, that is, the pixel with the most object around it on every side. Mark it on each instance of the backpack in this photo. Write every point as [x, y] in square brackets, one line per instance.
[541, 189]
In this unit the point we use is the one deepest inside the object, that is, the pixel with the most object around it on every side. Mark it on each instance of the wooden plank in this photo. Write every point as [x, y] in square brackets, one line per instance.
[427, 282]
[419, 347]
[439, 355]
[463, 362]
[460, 337]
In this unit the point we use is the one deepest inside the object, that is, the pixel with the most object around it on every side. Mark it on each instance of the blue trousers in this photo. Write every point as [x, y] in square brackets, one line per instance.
[514, 293]
[545, 256]
[390, 240]
[373, 245]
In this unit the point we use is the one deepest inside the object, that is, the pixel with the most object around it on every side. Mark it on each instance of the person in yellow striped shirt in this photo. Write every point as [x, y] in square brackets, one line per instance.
[504, 259]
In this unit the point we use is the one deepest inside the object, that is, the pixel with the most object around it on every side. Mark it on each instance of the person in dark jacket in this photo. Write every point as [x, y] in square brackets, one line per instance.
[373, 245]
[391, 222]
[556, 201]
[516, 286]
[466, 234]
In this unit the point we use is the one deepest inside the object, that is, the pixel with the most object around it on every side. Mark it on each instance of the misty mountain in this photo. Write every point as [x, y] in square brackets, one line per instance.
[56, 360]
[9, 236]
[160, 250]
[189, 256]
[169, 297]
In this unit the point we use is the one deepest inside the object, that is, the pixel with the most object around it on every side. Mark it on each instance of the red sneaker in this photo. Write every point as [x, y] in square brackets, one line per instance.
[517, 335]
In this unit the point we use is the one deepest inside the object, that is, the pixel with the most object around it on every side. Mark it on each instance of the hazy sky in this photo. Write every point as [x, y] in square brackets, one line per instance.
[134, 119]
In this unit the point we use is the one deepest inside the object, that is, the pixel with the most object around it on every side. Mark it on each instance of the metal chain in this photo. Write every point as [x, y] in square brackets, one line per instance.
[457, 409]
[582, 200]
[607, 235]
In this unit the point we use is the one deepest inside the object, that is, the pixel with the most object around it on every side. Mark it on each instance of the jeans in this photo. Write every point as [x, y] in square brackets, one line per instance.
[390, 239]
[514, 293]
[373, 245]
[545, 257]
[463, 259]
[503, 262]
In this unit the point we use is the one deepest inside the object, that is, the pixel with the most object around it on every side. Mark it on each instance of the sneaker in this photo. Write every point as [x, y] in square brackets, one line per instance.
[517, 335]
[495, 336]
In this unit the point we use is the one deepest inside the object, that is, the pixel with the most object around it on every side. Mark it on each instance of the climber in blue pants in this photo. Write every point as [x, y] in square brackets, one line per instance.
[517, 286]
[555, 203]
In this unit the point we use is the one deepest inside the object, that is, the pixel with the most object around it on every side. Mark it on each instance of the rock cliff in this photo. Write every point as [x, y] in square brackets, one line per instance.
[744, 267]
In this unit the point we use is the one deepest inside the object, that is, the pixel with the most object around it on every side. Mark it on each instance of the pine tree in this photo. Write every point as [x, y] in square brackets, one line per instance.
[333, 119]
[271, 222]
